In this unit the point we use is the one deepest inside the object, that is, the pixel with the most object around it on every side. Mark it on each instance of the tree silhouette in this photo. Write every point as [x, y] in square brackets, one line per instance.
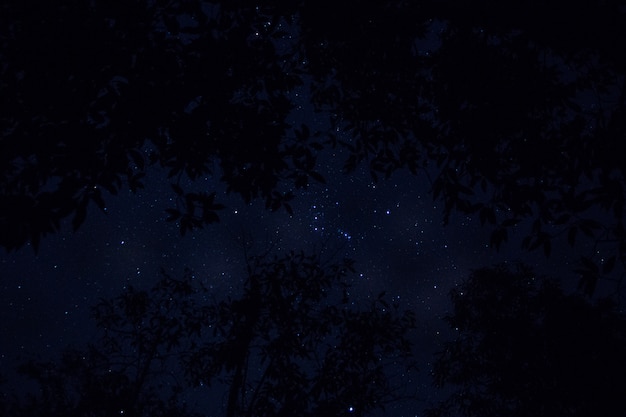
[292, 344]
[130, 370]
[513, 113]
[88, 89]
[522, 348]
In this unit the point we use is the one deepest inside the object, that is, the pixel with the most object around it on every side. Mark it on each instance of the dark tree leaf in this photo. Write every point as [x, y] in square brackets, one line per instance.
[571, 235]
[80, 215]
[177, 189]
[317, 177]
[608, 266]
[501, 315]
[174, 214]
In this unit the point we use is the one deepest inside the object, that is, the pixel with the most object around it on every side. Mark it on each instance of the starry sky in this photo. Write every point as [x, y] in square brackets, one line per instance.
[392, 229]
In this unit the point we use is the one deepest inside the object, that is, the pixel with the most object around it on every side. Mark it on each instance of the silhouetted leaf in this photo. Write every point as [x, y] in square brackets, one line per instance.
[229, 100]
[96, 196]
[588, 264]
[137, 158]
[547, 247]
[487, 214]
[177, 189]
[498, 236]
[571, 235]
[174, 214]
[317, 177]
[608, 266]
[79, 217]
[500, 316]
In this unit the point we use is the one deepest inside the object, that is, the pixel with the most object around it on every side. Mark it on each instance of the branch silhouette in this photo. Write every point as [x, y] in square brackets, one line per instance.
[516, 114]
[292, 343]
[522, 347]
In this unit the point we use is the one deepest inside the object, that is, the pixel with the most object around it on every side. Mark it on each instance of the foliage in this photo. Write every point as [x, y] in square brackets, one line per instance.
[292, 344]
[522, 347]
[92, 92]
[513, 113]
[128, 371]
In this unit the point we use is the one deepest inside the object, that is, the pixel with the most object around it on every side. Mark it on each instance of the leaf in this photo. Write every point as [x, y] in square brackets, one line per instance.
[589, 265]
[498, 236]
[210, 216]
[547, 247]
[79, 217]
[35, 239]
[110, 187]
[571, 235]
[317, 177]
[609, 265]
[96, 196]
[185, 224]
[486, 214]
[174, 214]
[301, 181]
[134, 181]
[588, 226]
[177, 189]
[536, 226]
[137, 158]
[535, 242]
[303, 133]
[510, 222]
[463, 189]
[588, 282]
[562, 219]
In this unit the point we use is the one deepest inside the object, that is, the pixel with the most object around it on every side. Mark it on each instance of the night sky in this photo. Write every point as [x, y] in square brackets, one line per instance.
[391, 227]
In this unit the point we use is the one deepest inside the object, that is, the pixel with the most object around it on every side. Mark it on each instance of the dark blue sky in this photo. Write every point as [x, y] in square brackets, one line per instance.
[392, 229]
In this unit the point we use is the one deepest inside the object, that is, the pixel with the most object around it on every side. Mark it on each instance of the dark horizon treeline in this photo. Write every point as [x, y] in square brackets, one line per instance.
[291, 343]
[294, 343]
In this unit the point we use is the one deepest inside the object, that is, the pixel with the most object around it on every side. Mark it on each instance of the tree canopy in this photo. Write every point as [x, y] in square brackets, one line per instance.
[512, 112]
[292, 343]
[522, 347]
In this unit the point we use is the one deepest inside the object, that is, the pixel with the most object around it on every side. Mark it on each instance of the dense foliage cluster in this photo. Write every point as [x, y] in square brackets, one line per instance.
[522, 347]
[293, 344]
[512, 112]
